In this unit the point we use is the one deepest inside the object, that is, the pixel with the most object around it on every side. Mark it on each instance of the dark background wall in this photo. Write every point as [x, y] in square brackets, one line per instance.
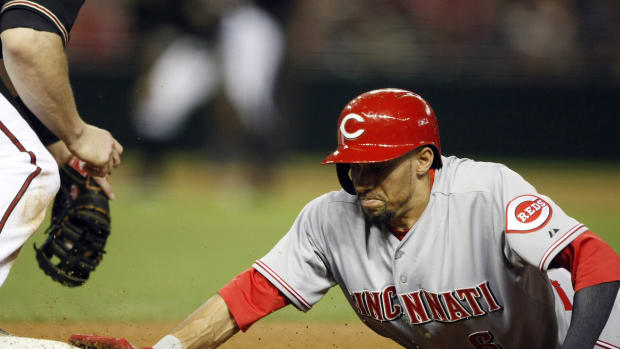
[506, 78]
[475, 118]
[515, 120]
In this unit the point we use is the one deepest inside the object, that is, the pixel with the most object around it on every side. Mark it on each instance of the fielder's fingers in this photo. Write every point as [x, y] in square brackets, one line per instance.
[110, 165]
[104, 183]
[118, 146]
[92, 171]
[116, 159]
[96, 171]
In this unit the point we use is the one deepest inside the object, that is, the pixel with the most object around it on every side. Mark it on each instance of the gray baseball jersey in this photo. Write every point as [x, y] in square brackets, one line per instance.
[471, 273]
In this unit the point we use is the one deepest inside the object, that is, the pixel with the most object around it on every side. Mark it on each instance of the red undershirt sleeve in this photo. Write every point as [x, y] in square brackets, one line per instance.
[250, 297]
[590, 261]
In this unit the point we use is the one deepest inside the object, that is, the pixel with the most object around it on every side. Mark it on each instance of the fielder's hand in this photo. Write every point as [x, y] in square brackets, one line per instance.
[98, 149]
[100, 342]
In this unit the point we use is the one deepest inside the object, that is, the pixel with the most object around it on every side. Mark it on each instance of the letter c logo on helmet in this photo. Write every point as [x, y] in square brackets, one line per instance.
[343, 129]
[393, 122]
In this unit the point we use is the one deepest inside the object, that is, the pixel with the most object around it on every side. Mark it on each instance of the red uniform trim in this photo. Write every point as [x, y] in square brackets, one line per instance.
[568, 306]
[590, 260]
[250, 297]
[22, 190]
[600, 343]
[399, 234]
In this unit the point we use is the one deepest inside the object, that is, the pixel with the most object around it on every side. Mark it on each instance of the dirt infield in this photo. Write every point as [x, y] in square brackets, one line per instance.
[262, 335]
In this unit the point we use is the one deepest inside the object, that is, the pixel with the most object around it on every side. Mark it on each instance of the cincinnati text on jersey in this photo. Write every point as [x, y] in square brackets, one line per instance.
[423, 306]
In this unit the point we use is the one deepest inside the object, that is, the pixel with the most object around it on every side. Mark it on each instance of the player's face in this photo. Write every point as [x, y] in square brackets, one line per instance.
[385, 189]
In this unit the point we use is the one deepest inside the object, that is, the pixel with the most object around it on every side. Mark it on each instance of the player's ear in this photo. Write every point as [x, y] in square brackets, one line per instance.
[423, 160]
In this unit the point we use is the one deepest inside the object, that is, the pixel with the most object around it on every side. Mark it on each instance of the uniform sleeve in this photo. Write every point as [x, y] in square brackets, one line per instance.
[590, 261]
[297, 265]
[58, 15]
[536, 228]
[250, 297]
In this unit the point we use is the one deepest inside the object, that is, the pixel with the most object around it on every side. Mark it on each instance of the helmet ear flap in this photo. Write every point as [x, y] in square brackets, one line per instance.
[343, 177]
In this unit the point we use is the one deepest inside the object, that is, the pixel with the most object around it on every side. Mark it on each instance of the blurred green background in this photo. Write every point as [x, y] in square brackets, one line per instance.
[174, 245]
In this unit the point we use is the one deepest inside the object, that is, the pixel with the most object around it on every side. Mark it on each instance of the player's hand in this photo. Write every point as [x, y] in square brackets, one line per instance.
[98, 149]
[100, 342]
[104, 183]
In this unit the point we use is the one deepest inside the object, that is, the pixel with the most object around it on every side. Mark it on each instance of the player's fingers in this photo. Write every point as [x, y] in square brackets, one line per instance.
[104, 183]
[93, 170]
[98, 171]
[119, 148]
[110, 165]
[116, 159]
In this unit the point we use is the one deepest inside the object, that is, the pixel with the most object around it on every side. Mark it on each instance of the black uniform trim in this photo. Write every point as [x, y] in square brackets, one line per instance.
[60, 13]
[41, 10]
[22, 18]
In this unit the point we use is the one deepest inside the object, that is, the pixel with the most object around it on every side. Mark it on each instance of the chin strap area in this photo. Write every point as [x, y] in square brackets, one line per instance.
[345, 180]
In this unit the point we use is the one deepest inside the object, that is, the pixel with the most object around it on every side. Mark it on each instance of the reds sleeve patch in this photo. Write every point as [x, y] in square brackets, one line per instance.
[527, 213]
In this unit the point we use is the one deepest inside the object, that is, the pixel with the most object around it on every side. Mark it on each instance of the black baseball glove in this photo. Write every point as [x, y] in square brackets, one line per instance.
[79, 229]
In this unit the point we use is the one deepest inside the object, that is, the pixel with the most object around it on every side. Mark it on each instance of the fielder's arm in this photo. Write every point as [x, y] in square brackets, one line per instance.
[56, 147]
[42, 80]
[36, 65]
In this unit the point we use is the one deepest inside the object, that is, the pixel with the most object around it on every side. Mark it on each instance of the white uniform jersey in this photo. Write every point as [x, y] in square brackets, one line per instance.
[471, 273]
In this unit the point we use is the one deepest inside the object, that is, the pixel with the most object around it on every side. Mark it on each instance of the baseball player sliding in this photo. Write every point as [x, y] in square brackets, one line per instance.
[430, 251]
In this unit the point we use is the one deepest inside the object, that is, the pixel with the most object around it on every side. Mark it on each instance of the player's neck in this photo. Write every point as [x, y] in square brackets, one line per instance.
[415, 207]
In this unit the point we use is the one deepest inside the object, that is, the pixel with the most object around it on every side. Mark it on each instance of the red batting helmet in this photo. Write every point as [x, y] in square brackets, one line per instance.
[381, 125]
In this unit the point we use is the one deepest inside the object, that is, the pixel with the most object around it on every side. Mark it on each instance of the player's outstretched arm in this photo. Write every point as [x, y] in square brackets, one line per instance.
[208, 327]
[244, 300]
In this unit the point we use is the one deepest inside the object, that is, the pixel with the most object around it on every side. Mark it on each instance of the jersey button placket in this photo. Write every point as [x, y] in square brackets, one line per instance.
[403, 277]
